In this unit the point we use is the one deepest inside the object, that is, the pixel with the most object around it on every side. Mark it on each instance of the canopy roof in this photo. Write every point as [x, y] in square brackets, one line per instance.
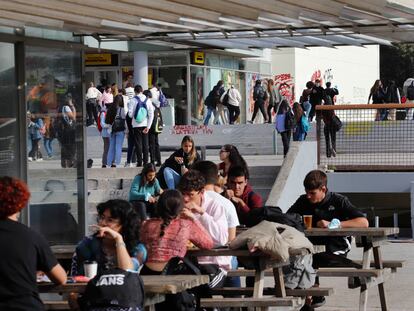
[223, 24]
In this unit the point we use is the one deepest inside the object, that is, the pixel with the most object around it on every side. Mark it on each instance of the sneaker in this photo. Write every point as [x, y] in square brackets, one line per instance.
[318, 301]
[334, 153]
[39, 159]
[251, 122]
[30, 159]
[127, 164]
[113, 165]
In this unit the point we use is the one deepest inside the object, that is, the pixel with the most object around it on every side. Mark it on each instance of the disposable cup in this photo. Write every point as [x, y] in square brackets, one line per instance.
[307, 219]
[90, 268]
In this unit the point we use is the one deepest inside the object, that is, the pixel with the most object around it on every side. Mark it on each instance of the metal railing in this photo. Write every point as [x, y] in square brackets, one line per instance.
[377, 137]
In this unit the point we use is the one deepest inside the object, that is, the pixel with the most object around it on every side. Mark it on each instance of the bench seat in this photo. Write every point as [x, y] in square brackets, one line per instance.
[56, 305]
[348, 272]
[250, 302]
[313, 291]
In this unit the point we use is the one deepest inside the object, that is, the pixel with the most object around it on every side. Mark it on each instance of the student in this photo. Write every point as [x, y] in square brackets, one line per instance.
[115, 243]
[115, 116]
[241, 193]
[35, 125]
[178, 163]
[144, 191]
[298, 131]
[324, 206]
[156, 129]
[208, 211]
[23, 252]
[285, 124]
[259, 97]
[167, 235]
[230, 157]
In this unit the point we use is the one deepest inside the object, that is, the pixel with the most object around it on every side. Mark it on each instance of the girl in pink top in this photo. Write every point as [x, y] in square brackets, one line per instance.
[167, 236]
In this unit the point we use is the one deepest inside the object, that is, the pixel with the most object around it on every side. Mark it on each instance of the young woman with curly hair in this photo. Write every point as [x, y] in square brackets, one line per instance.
[167, 236]
[24, 252]
[115, 243]
[230, 157]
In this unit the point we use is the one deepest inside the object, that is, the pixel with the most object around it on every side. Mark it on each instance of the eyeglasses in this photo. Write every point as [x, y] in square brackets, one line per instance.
[108, 220]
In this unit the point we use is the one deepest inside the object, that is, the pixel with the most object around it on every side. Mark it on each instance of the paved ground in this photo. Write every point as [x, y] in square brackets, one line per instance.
[398, 288]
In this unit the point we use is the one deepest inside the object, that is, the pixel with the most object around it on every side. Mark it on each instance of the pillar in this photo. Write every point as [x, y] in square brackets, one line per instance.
[141, 69]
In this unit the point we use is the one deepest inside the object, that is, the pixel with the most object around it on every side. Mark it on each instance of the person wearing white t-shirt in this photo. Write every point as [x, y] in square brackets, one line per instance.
[92, 96]
[142, 128]
[234, 100]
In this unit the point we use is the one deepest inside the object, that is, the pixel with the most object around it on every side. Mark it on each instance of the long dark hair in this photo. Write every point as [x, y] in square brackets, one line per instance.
[149, 167]
[298, 111]
[128, 219]
[169, 206]
[113, 109]
[235, 158]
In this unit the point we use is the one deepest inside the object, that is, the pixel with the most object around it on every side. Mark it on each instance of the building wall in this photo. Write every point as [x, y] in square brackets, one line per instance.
[351, 69]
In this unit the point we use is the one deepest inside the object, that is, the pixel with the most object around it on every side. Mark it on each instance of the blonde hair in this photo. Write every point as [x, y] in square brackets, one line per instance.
[193, 152]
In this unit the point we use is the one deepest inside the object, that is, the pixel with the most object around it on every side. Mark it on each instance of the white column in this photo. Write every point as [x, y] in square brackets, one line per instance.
[141, 69]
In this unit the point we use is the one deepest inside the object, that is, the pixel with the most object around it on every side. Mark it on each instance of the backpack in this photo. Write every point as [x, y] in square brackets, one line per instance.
[119, 123]
[410, 91]
[98, 123]
[141, 111]
[225, 101]
[61, 126]
[42, 130]
[163, 100]
[305, 123]
[113, 289]
[289, 120]
[259, 94]
[159, 126]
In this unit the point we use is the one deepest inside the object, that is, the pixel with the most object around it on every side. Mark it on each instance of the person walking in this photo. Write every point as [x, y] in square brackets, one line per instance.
[329, 131]
[129, 91]
[377, 93]
[105, 134]
[315, 98]
[284, 124]
[305, 98]
[233, 99]
[156, 129]
[259, 97]
[408, 90]
[212, 100]
[141, 110]
[48, 136]
[116, 117]
[392, 96]
[92, 97]
[34, 128]
[331, 92]
[298, 130]
[274, 97]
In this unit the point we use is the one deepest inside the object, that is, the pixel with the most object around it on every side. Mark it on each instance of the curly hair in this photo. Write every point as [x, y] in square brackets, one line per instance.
[14, 195]
[169, 206]
[128, 218]
[191, 181]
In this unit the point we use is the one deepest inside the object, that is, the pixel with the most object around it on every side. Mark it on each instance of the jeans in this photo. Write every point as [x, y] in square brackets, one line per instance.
[233, 281]
[35, 151]
[259, 105]
[141, 145]
[47, 142]
[210, 110]
[286, 141]
[105, 151]
[306, 108]
[115, 148]
[172, 178]
[298, 134]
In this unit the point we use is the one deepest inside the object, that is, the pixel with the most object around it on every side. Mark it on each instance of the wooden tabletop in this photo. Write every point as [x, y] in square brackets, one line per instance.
[236, 252]
[153, 284]
[357, 232]
[63, 251]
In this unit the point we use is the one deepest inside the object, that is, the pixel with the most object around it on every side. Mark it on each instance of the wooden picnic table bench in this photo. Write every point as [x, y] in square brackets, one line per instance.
[155, 287]
[370, 274]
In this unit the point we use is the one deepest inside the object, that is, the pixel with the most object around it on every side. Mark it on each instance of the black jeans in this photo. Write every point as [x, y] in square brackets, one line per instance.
[330, 139]
[92, 111]
[286, 141]
[154, 148]
[258, 104]
[234, 112]
[35, 151]
[141, 145]
[269, 113]
[144, 209]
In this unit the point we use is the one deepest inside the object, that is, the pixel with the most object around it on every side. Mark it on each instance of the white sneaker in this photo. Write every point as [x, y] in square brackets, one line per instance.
[30, 159]
[39, 159]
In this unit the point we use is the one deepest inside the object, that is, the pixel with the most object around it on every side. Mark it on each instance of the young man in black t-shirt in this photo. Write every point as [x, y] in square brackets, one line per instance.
[23, 252]
[324, 206]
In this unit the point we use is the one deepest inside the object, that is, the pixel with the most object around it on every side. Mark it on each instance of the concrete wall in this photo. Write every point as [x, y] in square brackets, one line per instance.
[289, 182]
[352, 69]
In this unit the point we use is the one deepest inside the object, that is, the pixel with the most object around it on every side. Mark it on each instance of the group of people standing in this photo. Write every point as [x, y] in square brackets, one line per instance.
[129, 111]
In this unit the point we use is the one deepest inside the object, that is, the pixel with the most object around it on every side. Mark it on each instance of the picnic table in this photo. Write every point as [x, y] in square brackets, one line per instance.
[155, 286]
[261, 262]
[371, 274]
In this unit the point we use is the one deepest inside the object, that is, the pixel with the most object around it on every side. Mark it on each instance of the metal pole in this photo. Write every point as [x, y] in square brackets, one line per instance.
[395, 217]
[376, 221]
[274, 143]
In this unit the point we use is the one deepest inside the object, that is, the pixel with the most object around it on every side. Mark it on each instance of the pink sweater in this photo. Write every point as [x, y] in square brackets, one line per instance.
[175, 239]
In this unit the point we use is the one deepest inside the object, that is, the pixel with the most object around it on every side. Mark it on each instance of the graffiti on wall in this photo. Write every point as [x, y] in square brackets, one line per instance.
[285, 83]
[191, 130]
[328, 75]
[317, 75]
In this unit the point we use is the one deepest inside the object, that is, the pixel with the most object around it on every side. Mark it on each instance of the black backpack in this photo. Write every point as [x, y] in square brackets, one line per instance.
[113, 289]
[410, 91]
[289, 120]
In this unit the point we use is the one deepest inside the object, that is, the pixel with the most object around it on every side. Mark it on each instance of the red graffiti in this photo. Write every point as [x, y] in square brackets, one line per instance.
[191, 130]
[284, 82]
[317, 75]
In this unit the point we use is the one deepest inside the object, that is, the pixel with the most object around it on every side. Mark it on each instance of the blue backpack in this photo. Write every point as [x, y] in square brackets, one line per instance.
[305, 123]
[163, 100]
[141, 111]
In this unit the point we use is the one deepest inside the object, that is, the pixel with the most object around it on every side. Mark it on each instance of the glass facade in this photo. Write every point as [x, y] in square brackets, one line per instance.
[9, 127]
[54, 103]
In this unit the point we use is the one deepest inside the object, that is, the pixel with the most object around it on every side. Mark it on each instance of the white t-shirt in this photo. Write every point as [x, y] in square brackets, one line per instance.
[229, 208]
[150, 109]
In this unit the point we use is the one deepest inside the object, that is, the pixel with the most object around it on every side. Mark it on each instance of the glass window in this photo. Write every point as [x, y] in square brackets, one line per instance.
[197, 95]
[226, 62]
[212, 60]
[9, 129]
[55, 142]
[167, 59]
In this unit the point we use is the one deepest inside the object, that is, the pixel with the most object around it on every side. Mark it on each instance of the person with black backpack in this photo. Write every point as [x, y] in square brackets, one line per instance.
[156, 129]
[408, 90]
[259, 97]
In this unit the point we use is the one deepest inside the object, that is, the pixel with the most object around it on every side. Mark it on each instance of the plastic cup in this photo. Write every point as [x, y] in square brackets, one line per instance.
[90, 268]
[307, 219]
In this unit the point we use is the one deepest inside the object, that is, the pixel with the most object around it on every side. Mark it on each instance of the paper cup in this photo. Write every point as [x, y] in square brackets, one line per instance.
[90, 268]
[307, 219]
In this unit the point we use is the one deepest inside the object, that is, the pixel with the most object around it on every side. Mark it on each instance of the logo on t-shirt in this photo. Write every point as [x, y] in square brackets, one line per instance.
[111, 279]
